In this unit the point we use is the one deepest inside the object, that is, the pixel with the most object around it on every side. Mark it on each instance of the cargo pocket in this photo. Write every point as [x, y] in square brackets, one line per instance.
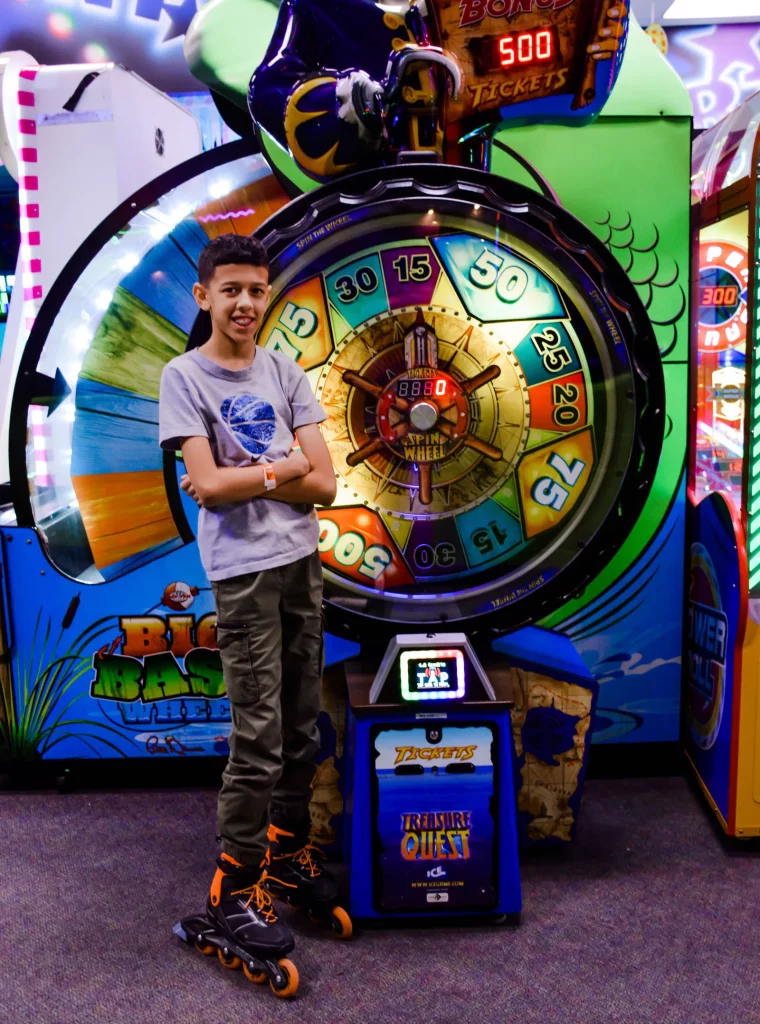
[321, 648]
[234, 642]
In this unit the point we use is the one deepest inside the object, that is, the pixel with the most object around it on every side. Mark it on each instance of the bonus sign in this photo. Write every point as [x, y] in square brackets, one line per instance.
[722, 309]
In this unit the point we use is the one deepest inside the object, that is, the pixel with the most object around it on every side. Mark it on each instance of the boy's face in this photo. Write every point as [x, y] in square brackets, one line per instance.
[236, 296]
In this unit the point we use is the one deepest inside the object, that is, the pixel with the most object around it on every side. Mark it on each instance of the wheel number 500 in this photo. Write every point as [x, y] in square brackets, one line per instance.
[349, 548]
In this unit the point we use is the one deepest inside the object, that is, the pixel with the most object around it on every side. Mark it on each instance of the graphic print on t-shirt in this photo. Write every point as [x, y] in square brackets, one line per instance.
[251, 420]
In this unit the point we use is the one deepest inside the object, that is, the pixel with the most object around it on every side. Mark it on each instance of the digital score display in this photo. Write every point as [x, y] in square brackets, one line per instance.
[432, 675]
[429, 388]
[520, 49]
[719, 296]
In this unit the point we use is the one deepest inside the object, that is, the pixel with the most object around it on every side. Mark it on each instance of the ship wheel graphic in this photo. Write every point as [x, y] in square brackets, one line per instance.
[423, 415]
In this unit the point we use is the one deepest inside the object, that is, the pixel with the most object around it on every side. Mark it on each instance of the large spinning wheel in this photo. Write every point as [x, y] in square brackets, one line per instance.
[493, 388]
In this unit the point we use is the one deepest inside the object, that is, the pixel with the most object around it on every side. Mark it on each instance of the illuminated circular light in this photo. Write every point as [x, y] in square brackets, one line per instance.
[179, 213]
[94, 53]
[159, 231]
[103, 299]
[81, 338]
[128, 262]
[60, 24]
[219, 188]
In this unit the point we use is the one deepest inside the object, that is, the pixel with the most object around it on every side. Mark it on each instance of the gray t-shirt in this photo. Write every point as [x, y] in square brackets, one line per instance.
[249, 416]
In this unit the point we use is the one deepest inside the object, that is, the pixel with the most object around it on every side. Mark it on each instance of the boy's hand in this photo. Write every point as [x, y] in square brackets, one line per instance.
[188, 488]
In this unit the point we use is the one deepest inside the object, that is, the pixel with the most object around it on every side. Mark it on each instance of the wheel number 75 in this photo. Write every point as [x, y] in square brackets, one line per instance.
[551, 494]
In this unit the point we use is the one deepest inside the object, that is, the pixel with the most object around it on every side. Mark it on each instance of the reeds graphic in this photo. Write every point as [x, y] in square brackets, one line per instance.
[35, 714]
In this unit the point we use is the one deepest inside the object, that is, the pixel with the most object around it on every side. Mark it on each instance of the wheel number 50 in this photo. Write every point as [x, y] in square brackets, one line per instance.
[487, 271]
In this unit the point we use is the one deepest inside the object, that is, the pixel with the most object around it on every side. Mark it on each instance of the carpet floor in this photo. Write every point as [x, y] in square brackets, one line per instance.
[650, 917]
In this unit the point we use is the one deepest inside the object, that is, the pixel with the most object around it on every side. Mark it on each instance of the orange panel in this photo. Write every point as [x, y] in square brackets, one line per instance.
[552, 479]
[244, 210]
[559, 405]
[124, 513]
[298, 325]
[355, 542]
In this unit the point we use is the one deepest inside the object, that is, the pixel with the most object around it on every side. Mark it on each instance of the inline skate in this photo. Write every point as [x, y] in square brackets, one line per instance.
[242, 926]
[296, 875]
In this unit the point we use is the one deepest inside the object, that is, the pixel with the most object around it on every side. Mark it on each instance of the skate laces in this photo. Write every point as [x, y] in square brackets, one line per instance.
[309, 857]
[258, 893]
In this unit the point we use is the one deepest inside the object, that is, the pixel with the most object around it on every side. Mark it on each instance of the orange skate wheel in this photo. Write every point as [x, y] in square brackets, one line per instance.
[205, 948]
[232, 962]
[342, 925]
[290, 987]
[257, 977]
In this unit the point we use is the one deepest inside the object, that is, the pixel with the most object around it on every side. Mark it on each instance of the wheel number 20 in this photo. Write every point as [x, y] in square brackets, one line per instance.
[551, 494]
[349, 548]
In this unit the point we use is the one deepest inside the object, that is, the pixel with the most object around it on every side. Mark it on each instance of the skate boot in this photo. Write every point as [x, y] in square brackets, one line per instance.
[296, 875]
[242, 926]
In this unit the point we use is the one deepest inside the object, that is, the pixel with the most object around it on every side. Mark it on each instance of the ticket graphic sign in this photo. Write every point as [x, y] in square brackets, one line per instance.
[435, 842]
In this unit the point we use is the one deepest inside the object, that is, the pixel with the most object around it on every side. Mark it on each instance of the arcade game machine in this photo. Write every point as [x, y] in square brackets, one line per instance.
[723, 645]
[57, 123]
[495, 395]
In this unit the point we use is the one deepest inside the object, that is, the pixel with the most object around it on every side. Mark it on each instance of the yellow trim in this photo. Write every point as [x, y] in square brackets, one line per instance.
[322, 166]
[708, 795]
[747, 722]
[748, 832]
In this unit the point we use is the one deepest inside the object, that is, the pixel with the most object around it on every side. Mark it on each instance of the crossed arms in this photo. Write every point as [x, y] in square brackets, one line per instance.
[305, 477]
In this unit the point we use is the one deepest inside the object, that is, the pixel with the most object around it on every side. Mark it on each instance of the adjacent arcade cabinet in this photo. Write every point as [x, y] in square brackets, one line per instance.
[723, 648]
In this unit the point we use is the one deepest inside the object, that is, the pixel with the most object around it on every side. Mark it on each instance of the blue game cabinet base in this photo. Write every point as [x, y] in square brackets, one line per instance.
[431, 797]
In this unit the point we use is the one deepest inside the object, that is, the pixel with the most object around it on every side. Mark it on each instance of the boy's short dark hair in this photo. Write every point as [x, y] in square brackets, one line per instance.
[230, 249]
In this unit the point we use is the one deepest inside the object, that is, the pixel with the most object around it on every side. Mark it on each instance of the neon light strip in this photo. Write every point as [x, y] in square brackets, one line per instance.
[232, 215]
[407, 656]
[29, 207]
[31, 287]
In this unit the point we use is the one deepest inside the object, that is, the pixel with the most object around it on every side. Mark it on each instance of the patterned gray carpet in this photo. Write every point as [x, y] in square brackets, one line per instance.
[651, 917]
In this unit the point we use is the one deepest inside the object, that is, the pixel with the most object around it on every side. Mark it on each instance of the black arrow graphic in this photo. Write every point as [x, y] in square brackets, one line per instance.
[49, 391]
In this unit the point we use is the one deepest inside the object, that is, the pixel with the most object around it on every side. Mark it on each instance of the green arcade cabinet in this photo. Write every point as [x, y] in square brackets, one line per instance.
[499, 343]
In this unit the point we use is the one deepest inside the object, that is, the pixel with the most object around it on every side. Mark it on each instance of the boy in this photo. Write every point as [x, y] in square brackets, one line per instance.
[233, 409]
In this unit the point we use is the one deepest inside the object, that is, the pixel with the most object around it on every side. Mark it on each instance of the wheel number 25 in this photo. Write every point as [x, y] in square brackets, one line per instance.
[349, 548]
[551, 494]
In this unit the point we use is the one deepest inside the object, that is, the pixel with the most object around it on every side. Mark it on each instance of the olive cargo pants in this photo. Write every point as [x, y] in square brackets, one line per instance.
[270, 637]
